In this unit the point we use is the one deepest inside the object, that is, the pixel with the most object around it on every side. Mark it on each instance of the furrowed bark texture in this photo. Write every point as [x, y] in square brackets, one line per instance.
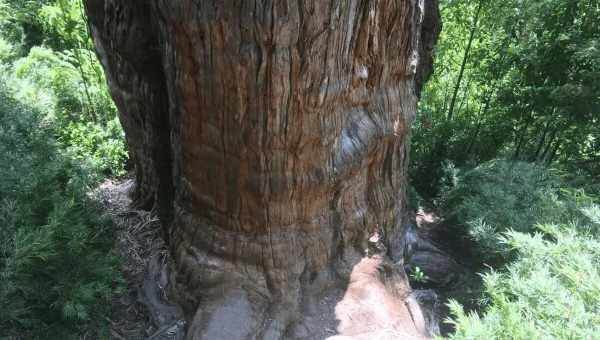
[273, 138]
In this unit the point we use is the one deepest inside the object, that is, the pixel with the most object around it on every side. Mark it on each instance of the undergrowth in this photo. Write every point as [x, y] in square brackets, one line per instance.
[536, 242]
[500, 195]
[56, 269]
[551, 290]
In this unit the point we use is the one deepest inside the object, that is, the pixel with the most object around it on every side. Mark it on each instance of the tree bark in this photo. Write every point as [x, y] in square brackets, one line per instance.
[272, 136]
[519, 139]
[548, 146]
[541, 141]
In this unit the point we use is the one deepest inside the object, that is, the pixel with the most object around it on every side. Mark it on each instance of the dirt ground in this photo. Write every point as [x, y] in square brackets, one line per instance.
[137, 242]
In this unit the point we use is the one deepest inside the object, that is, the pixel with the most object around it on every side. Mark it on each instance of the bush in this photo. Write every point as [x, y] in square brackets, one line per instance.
[80, 111]
[499, 196]
[6, 51]
[56, 270]
[103, 146]
[552, 290]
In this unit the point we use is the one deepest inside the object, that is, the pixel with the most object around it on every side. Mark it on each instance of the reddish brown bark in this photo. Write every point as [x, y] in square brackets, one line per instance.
[273, 136]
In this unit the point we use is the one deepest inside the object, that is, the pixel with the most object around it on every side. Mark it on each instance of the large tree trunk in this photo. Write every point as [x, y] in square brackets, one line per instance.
[273, 137]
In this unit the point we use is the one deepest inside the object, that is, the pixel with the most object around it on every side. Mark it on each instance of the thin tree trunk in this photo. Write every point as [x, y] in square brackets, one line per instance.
[473, 138]
[89, 43]
[520, 140]
[91, 112]
[441, 145]
[549, 144]
[273, 137]
[464, 60]
[541, 141]
[482, 112]
[446, 93]
[465, 97]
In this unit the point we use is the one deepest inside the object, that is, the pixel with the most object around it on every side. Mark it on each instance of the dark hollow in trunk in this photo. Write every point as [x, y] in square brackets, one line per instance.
[272, 137]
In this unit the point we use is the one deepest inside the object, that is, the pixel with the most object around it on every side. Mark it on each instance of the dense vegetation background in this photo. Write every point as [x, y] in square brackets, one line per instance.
[59, 135]
[513, 79]
[506, 149]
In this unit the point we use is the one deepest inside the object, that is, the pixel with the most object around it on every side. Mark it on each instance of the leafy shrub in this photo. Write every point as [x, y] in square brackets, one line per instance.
[81, 112]
[101, 143]
[499, 195]
[6, 51]
[551, 291]
[56, 270]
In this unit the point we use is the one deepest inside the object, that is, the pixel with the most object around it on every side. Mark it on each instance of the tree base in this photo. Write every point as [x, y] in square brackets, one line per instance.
[374, 302]
[357, 293]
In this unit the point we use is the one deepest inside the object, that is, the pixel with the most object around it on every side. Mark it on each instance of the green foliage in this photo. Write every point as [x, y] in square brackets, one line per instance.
[44, 73]
[414, 199]
[551, 291]
[62, 79]
[500, 195]
[6, 51]
[418, 276]
[528, 91]
[58, 24]
[20, 22]
[540, 240]
[63, 24]
[56, 270]
[58, 131]
[73, 105]
[103, 146]
[58, 128]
